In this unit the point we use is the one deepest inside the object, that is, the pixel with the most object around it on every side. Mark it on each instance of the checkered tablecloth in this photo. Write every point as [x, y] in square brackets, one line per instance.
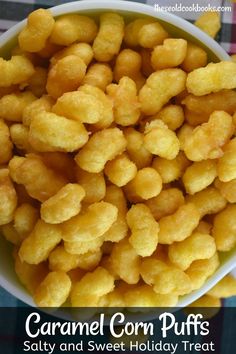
[12, 11]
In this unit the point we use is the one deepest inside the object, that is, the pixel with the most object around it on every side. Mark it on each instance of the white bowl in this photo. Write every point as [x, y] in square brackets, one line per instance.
[177, 27]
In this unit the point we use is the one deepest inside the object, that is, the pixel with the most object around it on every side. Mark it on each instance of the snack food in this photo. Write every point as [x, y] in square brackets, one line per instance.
[114, 160]
[209, 22]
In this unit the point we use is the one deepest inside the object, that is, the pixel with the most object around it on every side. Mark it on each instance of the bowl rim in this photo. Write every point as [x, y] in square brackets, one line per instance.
[133, 8]
[128, 6]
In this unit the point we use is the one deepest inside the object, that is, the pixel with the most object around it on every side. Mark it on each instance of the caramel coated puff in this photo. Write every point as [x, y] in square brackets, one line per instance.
[39, 27]
[120, 170]
[146, 184]
[226, 166]
[105, 46]
[165, 279]
[61, 260]
[12, 106]
[85, 247]
[63, 205]
[119, 229]
[227, 189]
[66, 75]
[206, 140]
[197, 246]
[42, 104]
[51, 132]
[79, 106]
[128, 63]
[212, 78]
[144, 32]
[87, 291]
[60, 162]
[199, 175]
[144, 296]
[93, 223]
[209, 22]
[151, 35]
[165, 203]
[124, 257]
[125, 99]
[53, 291]
[160, 140]
[201, 269]
[25, 218]
[144, 230]
[132, 29]
[178, 226]
[224, 228]
[208, 201]
[30, 275]
[172, 116]
[40, 181]
[99, 75]
[82, 50]
[225, 288]
[8, 197]
[20, 137]
[10, 234]
[195, 58]
[107, 113]
[159, 88]
[71, 28]
[170, 54]
[39, 244]
[199, 108]
[15, 71]
[147, 69]
[90, 260]
[6, 144]
[135, 148]
[93, 184]
[37, 82]
[171, 170]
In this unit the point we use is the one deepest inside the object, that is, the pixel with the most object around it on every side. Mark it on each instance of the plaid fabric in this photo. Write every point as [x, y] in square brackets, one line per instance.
[12, 11]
